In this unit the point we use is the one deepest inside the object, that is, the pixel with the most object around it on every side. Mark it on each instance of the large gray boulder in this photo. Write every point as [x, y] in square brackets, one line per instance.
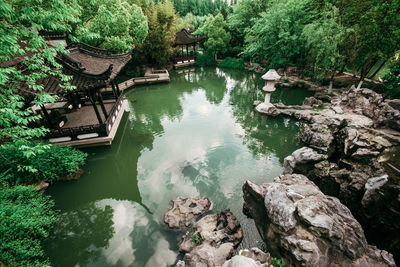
[304, 227]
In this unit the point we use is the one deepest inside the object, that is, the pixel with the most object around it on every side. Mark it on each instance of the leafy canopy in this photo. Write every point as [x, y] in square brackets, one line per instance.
[277, 34]
[218, 37]
[115, 25]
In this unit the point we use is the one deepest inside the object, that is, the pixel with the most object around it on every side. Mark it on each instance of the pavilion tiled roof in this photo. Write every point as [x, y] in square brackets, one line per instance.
[90, 67]
[184, 37]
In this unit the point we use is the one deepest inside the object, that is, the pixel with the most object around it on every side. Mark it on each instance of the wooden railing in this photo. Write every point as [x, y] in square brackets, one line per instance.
[176, 59]
[75, 131]
[101, 129]
[112, 116]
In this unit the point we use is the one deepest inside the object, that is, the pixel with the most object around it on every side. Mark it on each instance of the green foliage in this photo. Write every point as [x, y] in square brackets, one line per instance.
[26, 217]
[377, 32]
[135, 71]
[205, 60]
[157, 47]
[324, 37]
[392, 80]
[277, 34]
[193, 22]
[195, 238]
[217, 37]
[232, 63]
[115, 25]
[199, 7]
[47, 162]
[19, 25]
[242, 19]
[277, 262]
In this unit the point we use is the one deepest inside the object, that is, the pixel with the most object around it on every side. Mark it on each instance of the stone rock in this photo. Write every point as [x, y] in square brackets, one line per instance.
[241, 261]
[301, 156]
[323, 97]
[362, 153]
[217, 235]
[312, 102]
[257, 254]
[307, 228]
[394, 103]
[267, 109]
[41, 185]
[206, 255]
[371, 188]
[337, 109]
[316, 136]
[256, 103]
[180, 264]
[253, 257]
[185, 211]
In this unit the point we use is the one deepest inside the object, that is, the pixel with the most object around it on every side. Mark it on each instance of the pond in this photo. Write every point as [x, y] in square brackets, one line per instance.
[195, 136]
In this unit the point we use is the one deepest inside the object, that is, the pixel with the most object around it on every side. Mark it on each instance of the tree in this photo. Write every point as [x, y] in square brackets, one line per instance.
[21, 43]
[324, 37]
[277, 35]
[158, 45]
[117, 26]
[378, 34]
[241, 20]
[391, 80]
[217, 36]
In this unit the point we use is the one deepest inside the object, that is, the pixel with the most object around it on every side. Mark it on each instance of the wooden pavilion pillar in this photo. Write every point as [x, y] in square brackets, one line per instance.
[103, 108]
[46, 115]
[187, 51]
[93, 101]
[117, 86]
[182, 50]
[114, 89]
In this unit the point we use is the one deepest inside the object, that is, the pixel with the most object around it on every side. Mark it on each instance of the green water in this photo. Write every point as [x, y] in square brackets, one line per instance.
[196, 136]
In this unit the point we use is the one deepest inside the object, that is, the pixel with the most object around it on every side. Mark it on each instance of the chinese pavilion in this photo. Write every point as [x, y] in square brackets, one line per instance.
[89, 115]
[184, 39]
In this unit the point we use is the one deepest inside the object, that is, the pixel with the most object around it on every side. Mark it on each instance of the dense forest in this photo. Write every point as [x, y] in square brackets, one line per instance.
[321, 38]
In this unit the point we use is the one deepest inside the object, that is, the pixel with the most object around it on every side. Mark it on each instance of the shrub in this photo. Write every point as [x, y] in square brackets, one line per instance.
[232, 63]
[205, 60]
[48, 164]
[136, 71]
[26, 217]
[391, 80]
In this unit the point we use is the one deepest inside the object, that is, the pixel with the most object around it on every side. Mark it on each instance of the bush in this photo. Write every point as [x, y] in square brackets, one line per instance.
[26, 217]
[205, 60]
[136, 71]
[232, 63]
[47, 164]
[391, 80]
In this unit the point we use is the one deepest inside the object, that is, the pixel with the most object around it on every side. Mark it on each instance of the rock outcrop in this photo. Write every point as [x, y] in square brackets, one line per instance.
[349, 137]
[249, 258]
[307, 228]
[212, 240]
[185, 211]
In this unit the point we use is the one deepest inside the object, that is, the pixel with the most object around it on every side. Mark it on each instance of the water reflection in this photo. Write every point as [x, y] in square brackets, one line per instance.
[196, 136]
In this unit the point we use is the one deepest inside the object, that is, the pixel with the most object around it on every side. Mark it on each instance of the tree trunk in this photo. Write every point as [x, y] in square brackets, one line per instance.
[378, 69]
[360, 84]
[330, 86]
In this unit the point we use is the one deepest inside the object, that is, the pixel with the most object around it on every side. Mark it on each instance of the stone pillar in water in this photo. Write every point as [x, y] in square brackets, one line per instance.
[271, 77]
